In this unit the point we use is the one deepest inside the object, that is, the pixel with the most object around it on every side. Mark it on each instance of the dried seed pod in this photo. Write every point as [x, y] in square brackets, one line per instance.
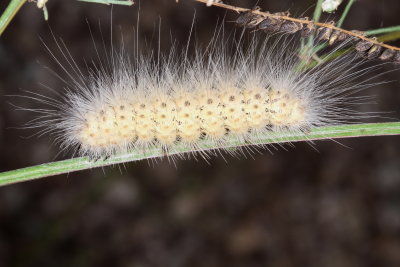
[308, 30]
[277, 26]
[374, 52]
[270, 24]
[291, 27]
[396, 58]
[363, 46]
[244, 18]
[334, 37]
[324, 34]
[337, 36]
[387, 55]
[265, 24]
[343, 37]
[254, 21]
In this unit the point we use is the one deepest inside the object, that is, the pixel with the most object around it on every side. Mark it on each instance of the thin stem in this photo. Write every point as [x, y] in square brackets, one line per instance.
[108, 2]
[389, 37]
[345, 13]
[8, 14]
[76, 164]
[316, 17]
[383, 30]
[317, 11]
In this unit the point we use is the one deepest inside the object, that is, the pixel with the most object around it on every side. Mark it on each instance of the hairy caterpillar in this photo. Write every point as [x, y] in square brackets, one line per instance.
[232, 90]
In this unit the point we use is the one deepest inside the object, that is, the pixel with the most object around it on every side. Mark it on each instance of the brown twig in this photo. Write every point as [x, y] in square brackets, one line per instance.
[305, 21]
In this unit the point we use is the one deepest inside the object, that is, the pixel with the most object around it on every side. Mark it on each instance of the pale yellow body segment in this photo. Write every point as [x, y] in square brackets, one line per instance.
[184, 116]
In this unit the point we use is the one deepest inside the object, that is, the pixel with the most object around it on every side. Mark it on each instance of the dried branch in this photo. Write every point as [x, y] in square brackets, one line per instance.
[369, 47]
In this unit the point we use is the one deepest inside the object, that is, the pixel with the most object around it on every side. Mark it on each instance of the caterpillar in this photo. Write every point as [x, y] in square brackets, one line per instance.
[231, 90]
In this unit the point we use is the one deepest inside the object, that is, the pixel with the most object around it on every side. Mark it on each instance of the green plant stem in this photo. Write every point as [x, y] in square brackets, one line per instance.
[108, 2]
[345, 13]
[317, 11]
[316, 17]
[76, 164]
[383, 30]
[389, 37]
[8, 14]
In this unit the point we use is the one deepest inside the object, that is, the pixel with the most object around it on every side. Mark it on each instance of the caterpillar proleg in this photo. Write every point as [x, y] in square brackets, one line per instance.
[230, 90]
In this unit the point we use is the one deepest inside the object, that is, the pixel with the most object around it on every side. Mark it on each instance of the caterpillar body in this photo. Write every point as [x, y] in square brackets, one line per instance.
[229, 91]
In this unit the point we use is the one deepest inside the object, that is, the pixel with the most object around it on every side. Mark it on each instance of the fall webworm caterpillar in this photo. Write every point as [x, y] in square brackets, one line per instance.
[229, 90]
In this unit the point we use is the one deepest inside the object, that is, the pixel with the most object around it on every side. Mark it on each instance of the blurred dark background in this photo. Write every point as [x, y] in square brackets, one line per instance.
[338, 206]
